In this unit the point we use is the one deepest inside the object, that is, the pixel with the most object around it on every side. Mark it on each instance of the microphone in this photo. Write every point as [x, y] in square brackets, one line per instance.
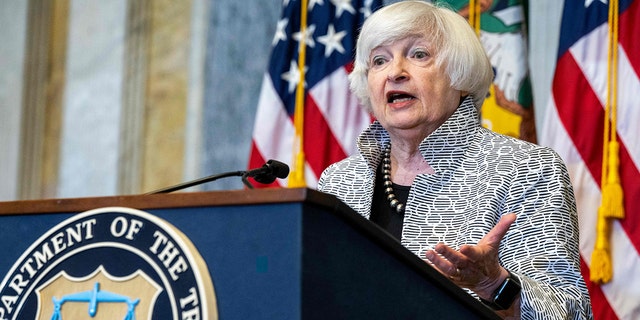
[266, 174]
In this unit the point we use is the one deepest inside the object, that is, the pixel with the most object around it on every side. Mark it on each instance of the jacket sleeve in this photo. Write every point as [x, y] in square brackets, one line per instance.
[542, 246]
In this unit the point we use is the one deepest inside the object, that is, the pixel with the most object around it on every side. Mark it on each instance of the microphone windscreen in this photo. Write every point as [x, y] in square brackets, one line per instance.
[279, 169]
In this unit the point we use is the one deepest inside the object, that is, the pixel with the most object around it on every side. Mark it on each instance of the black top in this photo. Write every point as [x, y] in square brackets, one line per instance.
[381, 212]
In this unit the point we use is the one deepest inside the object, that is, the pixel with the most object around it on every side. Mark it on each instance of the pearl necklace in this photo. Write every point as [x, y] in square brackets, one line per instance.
[388, 185]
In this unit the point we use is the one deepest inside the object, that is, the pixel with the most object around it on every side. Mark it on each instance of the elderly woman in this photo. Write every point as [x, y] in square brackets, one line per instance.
[495, 214]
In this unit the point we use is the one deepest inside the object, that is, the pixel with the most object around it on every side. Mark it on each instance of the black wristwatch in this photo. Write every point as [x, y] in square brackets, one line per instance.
[506, 293]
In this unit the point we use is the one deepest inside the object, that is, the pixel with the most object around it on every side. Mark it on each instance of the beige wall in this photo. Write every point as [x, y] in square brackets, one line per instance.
[12, 36]
[106, 87]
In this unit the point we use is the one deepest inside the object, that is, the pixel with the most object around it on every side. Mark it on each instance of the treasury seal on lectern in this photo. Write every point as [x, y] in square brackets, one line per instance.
[109, 263]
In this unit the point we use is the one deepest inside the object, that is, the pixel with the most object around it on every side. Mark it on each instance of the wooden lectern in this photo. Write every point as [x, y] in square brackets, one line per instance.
[270, 254]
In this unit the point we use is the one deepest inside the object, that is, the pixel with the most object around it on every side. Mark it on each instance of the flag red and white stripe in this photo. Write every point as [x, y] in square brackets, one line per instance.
[574, 127]
[332, 117]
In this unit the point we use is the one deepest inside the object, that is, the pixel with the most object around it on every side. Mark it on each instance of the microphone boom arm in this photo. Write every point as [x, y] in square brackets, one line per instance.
[197, 182]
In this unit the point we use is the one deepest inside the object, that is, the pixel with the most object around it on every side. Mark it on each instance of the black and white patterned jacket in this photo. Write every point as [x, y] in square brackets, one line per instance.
[480, 176]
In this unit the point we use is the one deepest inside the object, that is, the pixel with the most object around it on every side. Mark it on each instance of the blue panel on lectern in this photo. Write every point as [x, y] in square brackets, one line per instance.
[249, 256]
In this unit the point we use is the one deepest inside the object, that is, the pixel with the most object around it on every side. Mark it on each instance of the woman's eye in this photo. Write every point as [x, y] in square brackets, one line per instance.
[420, 54]
[377, 61]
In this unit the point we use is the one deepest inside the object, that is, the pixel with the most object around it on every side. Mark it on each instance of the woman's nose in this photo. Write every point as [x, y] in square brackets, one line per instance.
[397, 70]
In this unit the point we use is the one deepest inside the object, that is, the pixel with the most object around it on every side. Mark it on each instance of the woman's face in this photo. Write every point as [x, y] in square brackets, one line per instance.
[408, 91]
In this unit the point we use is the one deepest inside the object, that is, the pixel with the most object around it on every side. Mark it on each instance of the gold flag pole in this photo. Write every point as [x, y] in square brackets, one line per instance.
[474, 15]
[297, 179]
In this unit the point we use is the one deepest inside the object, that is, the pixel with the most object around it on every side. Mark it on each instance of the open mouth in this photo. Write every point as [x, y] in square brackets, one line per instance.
[398, 97]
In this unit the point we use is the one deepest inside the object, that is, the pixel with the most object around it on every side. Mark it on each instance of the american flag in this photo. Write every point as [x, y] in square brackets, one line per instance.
[574, 127]
[332, 116]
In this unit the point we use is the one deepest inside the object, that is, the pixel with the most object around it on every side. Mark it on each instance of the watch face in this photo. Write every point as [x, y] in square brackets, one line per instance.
[507, 293]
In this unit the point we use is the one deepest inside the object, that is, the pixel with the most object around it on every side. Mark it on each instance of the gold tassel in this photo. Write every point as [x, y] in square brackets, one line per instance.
[613, 202]
[600, 268]
[611, 206]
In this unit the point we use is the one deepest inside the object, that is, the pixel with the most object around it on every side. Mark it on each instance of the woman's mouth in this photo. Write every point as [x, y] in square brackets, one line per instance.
[399, 97]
